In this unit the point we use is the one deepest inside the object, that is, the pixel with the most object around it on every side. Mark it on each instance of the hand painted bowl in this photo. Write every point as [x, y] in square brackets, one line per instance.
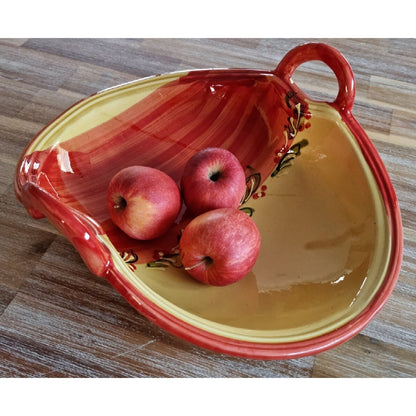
[316, 187]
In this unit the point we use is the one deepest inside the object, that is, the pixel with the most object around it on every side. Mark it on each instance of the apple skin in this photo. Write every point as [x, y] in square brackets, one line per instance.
[212, 178]
[143, 201]
[220, 247]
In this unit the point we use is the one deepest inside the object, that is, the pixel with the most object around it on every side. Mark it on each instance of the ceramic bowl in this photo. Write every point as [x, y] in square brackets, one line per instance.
[316, 187]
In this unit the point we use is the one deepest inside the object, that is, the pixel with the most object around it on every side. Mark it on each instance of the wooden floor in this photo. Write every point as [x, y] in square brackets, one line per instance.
[59, 320]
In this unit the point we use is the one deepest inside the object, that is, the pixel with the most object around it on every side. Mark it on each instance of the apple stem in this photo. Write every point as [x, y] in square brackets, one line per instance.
[120, 203]
[206, 260]
[214, 176]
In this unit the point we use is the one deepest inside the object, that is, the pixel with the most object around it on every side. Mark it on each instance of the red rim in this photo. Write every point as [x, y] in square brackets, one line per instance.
[102, 265]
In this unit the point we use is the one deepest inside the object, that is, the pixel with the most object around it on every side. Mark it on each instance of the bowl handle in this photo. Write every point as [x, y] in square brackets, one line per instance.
[331, 57]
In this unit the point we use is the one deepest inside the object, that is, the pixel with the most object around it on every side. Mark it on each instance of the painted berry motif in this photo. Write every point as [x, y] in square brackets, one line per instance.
[130, 258]
[289, 156]
[163, 260]
[296, 121]
[260, 194]
[252, 183]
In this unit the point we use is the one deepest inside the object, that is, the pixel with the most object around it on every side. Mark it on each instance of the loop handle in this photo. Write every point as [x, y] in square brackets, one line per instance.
[331, 57]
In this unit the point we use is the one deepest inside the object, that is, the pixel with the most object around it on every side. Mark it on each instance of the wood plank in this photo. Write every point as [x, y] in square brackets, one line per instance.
[365, 356]
[59, 320]
[124, 55]
[33, 68]
[386, 89]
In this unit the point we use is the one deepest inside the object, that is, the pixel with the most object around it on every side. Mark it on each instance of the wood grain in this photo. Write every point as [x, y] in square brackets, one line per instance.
[59, 320]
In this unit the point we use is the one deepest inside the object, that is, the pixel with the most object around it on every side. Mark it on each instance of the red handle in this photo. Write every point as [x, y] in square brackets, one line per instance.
[331, 57]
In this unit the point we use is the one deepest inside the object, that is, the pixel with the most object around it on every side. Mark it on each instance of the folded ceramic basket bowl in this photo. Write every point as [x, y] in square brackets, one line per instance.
[316, 188]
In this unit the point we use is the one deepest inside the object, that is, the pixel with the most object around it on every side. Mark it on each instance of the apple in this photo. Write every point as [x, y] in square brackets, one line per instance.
[212, 178]
[220, 247]
[143, 201]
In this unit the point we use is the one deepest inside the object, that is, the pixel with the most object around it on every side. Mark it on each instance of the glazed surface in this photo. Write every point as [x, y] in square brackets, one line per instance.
[322, 222]
[75, 95]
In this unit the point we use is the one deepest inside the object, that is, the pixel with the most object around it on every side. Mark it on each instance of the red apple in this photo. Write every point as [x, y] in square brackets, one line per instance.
[220, 247]
[212, 178]
[143, 201]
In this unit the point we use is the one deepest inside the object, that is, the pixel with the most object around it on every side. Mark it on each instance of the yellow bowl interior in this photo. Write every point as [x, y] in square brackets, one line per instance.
[325, 235]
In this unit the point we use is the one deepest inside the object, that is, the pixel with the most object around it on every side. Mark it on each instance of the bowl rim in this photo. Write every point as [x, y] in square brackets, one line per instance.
[198, 336]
